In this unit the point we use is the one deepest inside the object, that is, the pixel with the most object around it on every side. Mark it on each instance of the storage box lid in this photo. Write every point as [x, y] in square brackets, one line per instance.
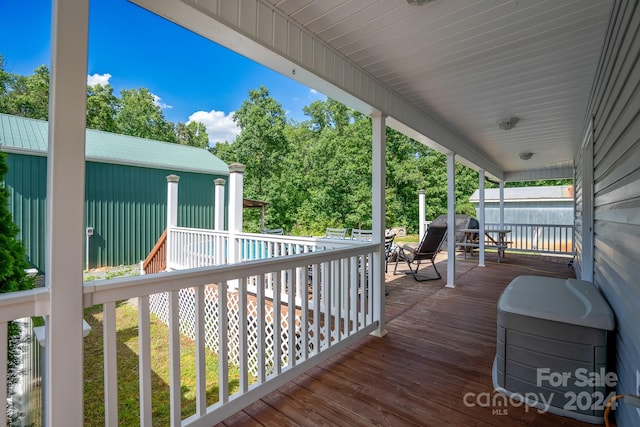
[571, 301]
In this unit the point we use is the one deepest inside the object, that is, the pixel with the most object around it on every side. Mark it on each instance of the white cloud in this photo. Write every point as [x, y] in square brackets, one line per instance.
[220, 126]
[314, 94]
[98, 79]
[158, 101]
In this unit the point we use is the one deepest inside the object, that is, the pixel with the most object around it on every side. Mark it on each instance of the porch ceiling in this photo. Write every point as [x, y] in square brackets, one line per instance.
[445, 72]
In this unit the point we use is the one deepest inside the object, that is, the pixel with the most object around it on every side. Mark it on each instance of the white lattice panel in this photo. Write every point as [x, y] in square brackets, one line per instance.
[159, 306]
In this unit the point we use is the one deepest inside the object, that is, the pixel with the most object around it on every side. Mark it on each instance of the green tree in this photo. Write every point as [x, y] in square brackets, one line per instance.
[261, 143]
[140, 116]
[102, 106]
[12, 254]
[26, 96]
[193, 134]
[12, 277]
[4, 82]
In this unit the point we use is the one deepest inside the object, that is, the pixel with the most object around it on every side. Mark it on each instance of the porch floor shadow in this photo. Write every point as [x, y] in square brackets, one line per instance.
[436, 356]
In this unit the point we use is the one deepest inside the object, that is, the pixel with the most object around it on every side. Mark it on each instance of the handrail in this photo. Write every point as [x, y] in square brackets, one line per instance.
[339, 312]
[156, 261]
[15, 305]
[337, 297]
[554, 239]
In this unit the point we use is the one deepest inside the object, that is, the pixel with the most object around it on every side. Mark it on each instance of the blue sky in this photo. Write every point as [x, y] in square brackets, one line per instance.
[131, 48]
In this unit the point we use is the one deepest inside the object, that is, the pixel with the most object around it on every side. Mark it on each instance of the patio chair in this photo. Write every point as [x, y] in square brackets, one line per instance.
[389, 248]
[426, 251]
[335, 233]
[360, 234]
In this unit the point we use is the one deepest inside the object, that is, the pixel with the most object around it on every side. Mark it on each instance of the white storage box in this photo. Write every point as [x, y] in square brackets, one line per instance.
[552, 346]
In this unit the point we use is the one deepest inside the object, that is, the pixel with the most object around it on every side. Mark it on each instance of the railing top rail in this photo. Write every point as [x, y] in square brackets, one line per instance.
[200, 231]
[509, 224]
[15, 305]
[310, 240]
[118, 289]
[277, 238]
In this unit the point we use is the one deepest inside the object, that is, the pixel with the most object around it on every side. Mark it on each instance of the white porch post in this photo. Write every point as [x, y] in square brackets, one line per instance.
[219, 221]
[236, 182]
[501, 205]
[378, 203]
[219, 204]
[451, 220]
[481, 218]
[64, 400]
[172, 215]
[421, 213]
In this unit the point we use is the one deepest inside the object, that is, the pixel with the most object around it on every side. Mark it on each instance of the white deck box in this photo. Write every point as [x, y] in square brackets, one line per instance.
[552, 346]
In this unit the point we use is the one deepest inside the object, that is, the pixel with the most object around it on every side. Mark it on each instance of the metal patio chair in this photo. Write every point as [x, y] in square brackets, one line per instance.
[426, 251]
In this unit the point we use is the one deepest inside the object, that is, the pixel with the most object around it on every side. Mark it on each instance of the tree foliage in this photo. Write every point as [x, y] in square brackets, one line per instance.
[314, 174]
[317, 173]
[12, 254]
[140, 116]
[135, 113]
[102, 106]
[26, 96]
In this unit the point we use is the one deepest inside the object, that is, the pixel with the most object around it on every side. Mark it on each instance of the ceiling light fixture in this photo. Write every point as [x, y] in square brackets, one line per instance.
[525, 155]
[506, 124]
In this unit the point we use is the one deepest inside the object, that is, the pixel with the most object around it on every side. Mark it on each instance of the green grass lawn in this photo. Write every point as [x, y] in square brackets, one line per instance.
[409, 238]
[127, 350]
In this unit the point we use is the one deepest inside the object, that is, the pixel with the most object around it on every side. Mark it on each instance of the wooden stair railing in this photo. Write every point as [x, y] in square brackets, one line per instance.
[156, 261]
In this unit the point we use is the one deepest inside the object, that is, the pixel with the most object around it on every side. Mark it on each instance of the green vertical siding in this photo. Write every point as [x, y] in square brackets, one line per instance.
[125, 205]
[27, 185]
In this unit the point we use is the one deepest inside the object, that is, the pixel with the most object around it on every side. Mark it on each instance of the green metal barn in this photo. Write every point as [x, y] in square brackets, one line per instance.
[125, 194]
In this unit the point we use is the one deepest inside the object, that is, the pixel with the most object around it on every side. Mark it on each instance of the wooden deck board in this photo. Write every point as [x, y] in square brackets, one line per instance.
[440, 346]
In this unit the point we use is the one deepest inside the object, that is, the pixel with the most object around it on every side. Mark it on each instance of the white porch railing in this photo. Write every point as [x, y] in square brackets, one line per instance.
[336, 294]
[538, 238]
[193, 248]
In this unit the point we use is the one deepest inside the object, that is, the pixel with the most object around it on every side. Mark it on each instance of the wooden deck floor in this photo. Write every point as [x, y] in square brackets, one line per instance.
[440, 347]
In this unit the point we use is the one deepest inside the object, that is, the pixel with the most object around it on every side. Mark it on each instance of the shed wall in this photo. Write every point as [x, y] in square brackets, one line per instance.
[125, 205]
[27, 185]
[560, 213]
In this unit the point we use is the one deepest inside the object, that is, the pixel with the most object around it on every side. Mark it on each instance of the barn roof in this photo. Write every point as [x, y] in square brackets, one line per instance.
[29, 136]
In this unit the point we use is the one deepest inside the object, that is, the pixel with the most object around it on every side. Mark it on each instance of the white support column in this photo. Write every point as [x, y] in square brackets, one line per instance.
[501, 205]
[421, 213]
[65, 231]
[218, 225]
[481, 218]
[378, 203]
[451, 220]
[236, 182]
[172, 215]
[219, 204]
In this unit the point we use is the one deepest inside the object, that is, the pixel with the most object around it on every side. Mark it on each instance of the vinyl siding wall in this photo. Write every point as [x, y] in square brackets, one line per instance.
[125, 205]
[615, 107]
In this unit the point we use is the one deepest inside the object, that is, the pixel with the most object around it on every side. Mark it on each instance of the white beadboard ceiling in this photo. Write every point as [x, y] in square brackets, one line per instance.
[461, 64]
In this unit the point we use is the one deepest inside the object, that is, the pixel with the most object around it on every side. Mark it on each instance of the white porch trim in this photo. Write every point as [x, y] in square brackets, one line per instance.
[481, 218]
[63, 399]
[378, 205]
[451, 220]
